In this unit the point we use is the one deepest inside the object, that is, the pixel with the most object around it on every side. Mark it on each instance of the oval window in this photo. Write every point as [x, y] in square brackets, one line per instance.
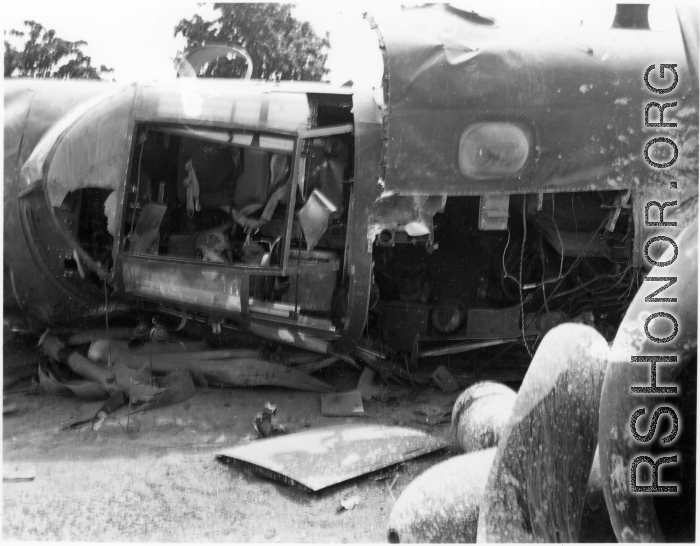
[493, 150]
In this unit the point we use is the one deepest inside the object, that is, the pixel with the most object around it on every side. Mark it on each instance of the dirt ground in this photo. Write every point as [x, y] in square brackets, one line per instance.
[160, 481]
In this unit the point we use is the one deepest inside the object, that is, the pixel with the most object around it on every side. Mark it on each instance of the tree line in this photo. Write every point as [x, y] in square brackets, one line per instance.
[280, 46]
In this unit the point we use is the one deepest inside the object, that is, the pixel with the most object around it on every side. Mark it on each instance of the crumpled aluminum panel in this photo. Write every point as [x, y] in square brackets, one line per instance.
[579, 94]
[323, 457]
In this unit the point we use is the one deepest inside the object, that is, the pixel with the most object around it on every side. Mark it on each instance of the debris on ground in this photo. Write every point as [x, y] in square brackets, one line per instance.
[265, 422]
[174, 387]
[312, 367]
[296, 358]
[53, 381]
[397, 394]
[11, 377]
[114, 402]
[8, 408]
[432, 420]
[433, 415]
[217, 368]
[391, 472]
[89, 336]
[80, 365]
[342, 404]
[349, 503]
[444, 380]
[173, 350]
[18, 472]
[433, 411]
[316, 459]
[367, 387]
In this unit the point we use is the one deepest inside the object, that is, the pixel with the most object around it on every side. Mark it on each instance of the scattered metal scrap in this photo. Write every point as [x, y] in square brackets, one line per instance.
[342, 404]
[53, 380]
[366, 385]
[11, 377]
[83, 367]
[217, 368]
[316, 459]
[265, 422]
[349, 503]
[433, 415]
[116, 401]
[312, 367]
[155, 374]
[444, 380]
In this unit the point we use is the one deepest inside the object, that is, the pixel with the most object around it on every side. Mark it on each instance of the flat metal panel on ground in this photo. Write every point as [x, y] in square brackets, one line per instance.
[323, 457]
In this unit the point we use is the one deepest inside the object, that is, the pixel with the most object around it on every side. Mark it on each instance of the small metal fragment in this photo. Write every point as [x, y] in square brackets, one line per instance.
[444, 380]
[343, 404]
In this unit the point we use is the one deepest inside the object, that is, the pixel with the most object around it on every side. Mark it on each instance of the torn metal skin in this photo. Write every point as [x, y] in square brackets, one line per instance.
[463, 111]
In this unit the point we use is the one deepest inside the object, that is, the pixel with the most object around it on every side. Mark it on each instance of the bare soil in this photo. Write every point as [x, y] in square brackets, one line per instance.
[159, 480]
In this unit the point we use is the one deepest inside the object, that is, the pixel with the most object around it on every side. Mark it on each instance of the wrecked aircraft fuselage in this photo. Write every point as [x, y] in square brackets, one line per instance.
[493, 188]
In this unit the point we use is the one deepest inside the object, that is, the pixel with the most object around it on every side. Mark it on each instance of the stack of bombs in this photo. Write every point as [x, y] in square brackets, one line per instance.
[530, 470]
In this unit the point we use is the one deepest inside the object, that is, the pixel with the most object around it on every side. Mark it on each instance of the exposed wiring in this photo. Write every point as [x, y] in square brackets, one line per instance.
[561, 244]
[507, 275]
[571, 268]
[532, 286]
[621, 276]
[544, 292]
[561, 254]
[520, 282]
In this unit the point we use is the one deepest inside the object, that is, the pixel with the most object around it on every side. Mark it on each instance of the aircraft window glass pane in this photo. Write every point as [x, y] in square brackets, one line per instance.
[206, 195]
[215, 101]
[323, 195]
[327, 162]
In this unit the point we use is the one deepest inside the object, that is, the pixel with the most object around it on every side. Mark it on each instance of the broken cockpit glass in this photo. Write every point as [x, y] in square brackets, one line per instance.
[212, 214]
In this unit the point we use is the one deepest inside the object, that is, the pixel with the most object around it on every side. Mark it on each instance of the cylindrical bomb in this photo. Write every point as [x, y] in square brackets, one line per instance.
[547, 447]
[442, 504]
[480, 414]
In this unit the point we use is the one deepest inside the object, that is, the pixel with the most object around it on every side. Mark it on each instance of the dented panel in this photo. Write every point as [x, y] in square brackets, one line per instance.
[576, 94]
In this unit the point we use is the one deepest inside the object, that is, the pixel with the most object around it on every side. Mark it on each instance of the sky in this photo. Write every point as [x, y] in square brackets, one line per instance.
[136, 37]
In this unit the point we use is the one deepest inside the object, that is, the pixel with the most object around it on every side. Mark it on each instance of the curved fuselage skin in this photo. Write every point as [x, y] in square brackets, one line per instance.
[581, 97]
[36, 282]
[581, 94]
[32, 281]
